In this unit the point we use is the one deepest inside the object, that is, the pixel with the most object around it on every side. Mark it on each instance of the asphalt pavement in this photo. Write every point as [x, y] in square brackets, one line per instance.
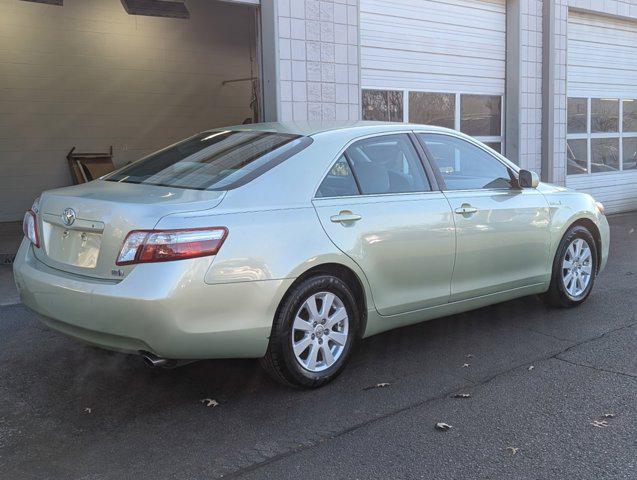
[552, 395]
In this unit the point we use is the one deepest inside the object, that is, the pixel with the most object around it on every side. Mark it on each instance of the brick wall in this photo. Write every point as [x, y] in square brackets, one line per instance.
[318, 52]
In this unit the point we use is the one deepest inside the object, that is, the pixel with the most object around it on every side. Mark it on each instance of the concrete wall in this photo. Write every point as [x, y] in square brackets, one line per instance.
[89, 75]
[317, 50]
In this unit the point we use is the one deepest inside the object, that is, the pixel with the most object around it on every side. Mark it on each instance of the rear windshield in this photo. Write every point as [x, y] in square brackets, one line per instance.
[219, 160]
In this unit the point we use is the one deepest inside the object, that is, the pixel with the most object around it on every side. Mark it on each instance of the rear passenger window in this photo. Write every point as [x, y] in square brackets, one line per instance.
[387, 164]
[339, 181]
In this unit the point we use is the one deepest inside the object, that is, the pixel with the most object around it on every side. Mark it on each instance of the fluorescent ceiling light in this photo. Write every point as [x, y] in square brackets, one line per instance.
[48, 2]
[156, 8]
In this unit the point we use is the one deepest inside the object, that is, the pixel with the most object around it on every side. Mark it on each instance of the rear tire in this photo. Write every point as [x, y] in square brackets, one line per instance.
[314, 331]
[574, 269]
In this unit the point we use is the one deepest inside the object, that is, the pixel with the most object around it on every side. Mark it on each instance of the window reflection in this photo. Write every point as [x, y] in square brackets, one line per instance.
[604, 154]
[630, 153]
[604, 115]
[432, 108]
[576, 157]
[577, 112]
[383, 105]
[480, 115]
[630, 115]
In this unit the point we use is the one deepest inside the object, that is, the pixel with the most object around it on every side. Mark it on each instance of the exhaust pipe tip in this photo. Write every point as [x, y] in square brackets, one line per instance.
[154, 361]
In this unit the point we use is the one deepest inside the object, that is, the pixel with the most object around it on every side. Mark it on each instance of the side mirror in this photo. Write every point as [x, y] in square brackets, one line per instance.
[528, 179]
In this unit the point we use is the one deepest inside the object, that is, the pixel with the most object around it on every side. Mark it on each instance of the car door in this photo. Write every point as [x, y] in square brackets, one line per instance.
[502, 231]
[377, 205]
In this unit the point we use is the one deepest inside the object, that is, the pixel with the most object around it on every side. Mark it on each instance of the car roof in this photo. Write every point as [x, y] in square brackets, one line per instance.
[314, 128]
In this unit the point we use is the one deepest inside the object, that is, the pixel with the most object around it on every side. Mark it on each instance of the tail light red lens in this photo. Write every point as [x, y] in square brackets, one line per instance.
[30, 228]
[147, 246]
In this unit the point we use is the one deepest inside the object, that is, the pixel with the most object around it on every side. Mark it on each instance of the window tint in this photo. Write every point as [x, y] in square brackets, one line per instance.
[387, 164]
[464, 166]
[339, 181]
[214, 160]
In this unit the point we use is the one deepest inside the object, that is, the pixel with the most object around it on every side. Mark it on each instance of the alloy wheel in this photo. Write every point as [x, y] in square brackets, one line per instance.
[577, 267]
[320, 331]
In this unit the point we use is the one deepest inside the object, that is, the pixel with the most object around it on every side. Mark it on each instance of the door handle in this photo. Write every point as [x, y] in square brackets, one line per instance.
[345, 216]
[465, 209]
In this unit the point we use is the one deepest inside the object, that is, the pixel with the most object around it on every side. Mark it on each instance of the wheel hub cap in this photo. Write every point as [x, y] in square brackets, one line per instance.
[577, 267]
[320, 331]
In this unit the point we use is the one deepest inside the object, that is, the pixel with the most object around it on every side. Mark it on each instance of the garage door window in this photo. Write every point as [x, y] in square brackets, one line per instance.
[477, 115]
[601, 135]
[432, 109]
[383, 105]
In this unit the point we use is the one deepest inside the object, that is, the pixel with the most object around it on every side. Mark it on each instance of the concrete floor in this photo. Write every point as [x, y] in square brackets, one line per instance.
[541, 381]
[8, 292]
[10, 238]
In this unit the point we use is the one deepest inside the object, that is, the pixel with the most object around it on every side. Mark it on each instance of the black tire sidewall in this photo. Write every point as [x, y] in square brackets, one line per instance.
[557, 284]
[281, 345]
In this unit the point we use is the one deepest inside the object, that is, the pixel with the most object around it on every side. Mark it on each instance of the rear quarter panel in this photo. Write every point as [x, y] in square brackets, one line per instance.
[267, 245]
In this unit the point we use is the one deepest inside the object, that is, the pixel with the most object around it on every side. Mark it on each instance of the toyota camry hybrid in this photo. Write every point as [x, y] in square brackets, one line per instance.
[291, 242]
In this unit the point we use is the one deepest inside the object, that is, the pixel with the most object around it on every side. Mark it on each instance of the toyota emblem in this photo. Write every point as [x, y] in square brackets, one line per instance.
[68, 216]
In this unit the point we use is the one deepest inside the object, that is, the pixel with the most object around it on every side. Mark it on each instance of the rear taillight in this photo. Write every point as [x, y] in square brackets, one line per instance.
[146, 246]
[30, 228]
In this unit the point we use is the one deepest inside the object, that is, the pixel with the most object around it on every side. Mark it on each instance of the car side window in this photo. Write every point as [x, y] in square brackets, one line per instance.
[387, 164]
[464, 166]
[339, 181]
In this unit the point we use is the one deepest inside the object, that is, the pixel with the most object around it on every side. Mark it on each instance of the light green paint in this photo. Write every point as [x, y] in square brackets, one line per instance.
[416, 259]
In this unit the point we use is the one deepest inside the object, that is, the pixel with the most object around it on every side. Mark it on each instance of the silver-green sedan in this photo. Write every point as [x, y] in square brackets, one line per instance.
[291, 242]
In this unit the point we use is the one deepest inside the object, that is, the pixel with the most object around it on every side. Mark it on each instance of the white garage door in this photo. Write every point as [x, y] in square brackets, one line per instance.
[602, 109]
[435, 62]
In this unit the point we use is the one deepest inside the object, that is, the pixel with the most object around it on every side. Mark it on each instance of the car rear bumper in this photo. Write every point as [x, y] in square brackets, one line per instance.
[165, 309]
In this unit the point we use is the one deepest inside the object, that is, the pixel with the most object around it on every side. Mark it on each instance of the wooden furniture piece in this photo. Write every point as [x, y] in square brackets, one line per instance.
[89, 166]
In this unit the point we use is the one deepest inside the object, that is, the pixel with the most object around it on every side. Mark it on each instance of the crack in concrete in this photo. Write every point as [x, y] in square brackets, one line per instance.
[593, 367]
[471, 384]
[550, 335]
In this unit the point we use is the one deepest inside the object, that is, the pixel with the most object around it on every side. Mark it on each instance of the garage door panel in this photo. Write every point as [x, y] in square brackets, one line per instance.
[435, 83]
[480, 12]
[602, 63]
[434, 45]
[426, 63]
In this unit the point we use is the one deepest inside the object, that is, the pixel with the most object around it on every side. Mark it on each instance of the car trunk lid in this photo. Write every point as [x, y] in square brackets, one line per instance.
[82, 228]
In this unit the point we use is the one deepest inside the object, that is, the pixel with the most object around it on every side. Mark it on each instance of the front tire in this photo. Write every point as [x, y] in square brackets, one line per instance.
[574, 269]
[313, 333]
